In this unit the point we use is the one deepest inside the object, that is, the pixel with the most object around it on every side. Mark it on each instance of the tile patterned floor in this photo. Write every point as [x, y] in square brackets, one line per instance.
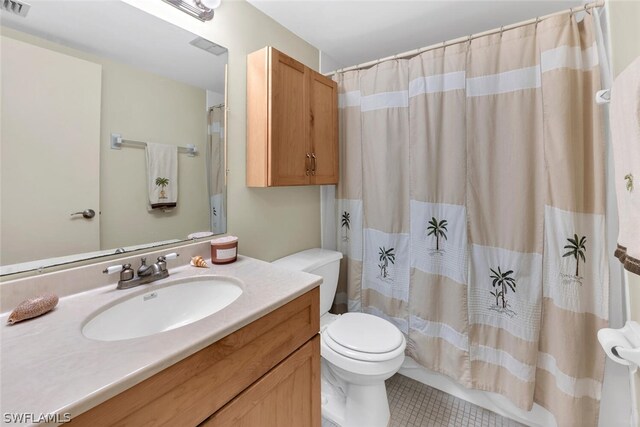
[414, 404]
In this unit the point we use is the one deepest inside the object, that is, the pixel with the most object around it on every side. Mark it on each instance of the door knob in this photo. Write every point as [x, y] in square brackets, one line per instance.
[87, 213]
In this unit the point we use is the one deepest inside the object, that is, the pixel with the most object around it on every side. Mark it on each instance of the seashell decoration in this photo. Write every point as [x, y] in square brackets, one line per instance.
[33, 307]
[198, 261]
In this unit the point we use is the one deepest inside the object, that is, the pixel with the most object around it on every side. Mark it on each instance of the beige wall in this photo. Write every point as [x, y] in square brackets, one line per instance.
[624, 29]
[269, 222]
[624, 19]
[146, 107]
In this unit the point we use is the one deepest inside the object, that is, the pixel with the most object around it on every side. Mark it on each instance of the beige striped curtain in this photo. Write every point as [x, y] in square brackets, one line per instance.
[439, 297]
[575, 302]
[471, 211]
[349, 194]
[505, 201]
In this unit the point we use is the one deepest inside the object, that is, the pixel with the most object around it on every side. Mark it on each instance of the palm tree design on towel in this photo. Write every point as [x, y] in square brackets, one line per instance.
[502, 282]
[577, 248]
[346, 224]
[438, 229]
[386, 256]
[162, 182]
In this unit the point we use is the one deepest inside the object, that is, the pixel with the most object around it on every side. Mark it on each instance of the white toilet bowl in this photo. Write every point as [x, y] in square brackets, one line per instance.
[359, 356]
[359, 351]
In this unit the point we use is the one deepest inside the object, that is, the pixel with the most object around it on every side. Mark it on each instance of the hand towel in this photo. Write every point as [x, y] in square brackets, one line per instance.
[625, 140]
[162, 176]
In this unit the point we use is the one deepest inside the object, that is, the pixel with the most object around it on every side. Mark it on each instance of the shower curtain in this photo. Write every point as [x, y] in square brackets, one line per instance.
[471, 211]
[215, 156]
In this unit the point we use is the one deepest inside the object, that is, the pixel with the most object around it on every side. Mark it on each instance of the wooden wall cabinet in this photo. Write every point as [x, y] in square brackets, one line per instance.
[292, 122]
[266, 374]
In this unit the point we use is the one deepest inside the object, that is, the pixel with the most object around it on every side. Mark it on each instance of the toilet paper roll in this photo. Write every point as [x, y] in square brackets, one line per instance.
[612, 338]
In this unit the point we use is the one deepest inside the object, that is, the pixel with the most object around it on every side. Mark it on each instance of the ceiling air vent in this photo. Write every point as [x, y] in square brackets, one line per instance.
[17, 7]
[209, 46]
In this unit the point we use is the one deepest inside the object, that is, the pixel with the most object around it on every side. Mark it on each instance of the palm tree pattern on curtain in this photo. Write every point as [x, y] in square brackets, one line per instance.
[346, 224]
[438, 229]
[386, 256]
[576, 248]
[629, 182]
[162, 182]
[502, 282]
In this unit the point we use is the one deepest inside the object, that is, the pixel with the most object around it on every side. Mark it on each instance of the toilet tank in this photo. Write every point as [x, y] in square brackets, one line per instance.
[321, 262]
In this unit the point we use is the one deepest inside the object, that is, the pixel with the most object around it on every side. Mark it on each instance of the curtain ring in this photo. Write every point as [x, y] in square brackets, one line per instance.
[501, 30]
[570, 11]
[586, 9]
[469, 40]
[537, 21]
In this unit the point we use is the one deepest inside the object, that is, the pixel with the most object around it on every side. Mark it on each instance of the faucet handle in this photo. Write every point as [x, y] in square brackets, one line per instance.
[115, 268]
[162, 260]
[126, 273]
[162, 263]
[125, 270]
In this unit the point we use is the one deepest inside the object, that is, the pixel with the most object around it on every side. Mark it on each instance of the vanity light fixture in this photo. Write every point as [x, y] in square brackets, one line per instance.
[200, 9]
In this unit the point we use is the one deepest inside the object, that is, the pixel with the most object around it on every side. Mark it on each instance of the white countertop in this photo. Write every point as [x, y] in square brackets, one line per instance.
[48, 367]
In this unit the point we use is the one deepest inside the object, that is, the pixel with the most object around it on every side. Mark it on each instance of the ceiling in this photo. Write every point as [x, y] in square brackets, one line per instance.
[356, 31]
[112, 29]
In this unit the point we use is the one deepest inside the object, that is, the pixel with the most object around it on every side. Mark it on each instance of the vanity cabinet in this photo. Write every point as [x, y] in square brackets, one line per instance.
[283, 397]
[292, 122]
[264, 374]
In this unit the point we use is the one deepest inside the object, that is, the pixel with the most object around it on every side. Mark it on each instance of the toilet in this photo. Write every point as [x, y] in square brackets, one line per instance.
[359, 351]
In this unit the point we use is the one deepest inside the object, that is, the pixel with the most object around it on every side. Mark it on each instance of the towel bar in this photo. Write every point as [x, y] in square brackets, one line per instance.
[117, 141]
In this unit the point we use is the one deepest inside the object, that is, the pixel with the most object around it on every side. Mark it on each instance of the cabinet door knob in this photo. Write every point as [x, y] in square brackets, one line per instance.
[306, 163]
[313, 163]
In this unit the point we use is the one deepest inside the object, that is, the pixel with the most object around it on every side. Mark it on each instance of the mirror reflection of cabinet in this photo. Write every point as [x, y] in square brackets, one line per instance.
[292, 123]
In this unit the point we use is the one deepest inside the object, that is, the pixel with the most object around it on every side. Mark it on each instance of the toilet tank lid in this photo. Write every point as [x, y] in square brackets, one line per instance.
[308, 260]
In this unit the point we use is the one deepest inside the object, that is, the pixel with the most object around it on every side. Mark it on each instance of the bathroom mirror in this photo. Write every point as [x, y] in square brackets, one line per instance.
[74, 74]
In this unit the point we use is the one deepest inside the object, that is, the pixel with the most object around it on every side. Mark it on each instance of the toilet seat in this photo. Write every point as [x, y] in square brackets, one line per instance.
[364, 337]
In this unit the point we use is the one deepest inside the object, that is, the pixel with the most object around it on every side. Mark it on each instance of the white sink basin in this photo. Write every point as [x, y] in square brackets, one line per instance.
[162, 309]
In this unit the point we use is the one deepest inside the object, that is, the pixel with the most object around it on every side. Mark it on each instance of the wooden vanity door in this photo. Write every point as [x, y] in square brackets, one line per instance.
[289, 395]
[288, 121]
[323, 109]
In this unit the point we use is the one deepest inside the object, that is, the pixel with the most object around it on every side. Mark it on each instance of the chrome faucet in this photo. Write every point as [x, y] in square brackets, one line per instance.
[145, 274]
[146, 270]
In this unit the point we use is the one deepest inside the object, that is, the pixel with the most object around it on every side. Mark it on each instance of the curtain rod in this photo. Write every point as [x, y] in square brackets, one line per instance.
[468, 38]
